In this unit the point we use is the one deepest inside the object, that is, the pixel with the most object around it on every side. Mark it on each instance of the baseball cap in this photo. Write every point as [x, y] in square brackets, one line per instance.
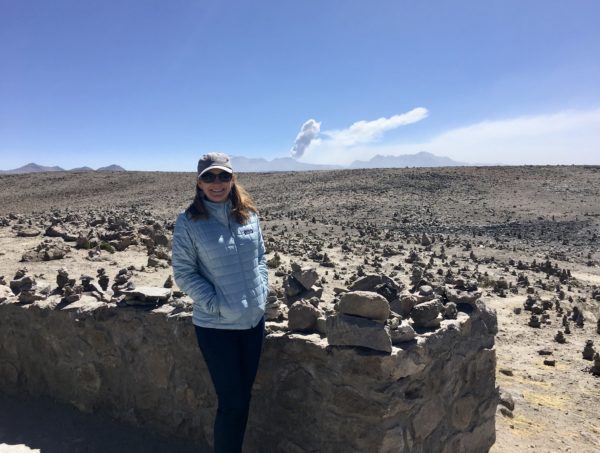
[214, 160]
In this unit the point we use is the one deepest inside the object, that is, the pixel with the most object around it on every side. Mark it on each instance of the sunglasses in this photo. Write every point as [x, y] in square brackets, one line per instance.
[212, 177]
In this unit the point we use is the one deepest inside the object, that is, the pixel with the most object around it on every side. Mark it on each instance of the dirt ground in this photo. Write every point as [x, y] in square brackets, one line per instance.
[495, 225]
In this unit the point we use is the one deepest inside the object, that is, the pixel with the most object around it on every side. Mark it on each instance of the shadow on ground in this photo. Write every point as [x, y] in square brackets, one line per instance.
[43, 425]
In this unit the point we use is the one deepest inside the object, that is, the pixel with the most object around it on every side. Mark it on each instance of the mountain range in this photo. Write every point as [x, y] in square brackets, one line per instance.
[251, 164]
[35, 168]
[421, 159]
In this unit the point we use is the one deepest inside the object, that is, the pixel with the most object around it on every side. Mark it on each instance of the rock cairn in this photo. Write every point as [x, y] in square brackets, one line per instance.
[301, 283]
[595, 369]
[360, 321]
[560, 337]
[588, 351]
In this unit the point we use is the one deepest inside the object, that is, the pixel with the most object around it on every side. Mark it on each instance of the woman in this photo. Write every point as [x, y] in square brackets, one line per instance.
[219, 261]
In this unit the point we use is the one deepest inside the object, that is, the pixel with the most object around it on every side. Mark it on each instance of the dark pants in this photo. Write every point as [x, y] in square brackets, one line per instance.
[232, 359]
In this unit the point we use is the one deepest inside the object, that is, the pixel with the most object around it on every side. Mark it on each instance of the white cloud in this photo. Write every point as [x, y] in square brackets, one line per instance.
[359, 133]
[569, 137]
[369, 131]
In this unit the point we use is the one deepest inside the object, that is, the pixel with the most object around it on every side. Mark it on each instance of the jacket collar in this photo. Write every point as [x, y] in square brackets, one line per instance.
[219, 211]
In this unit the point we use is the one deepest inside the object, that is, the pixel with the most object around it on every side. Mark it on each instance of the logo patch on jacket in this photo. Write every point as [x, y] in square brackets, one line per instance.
[248, 231]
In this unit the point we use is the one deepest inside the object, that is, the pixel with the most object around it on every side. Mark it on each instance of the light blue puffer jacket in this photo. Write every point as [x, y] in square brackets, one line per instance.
[222, 266]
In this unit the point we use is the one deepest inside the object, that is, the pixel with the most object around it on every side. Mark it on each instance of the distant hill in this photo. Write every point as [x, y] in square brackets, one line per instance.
[111, 168]
[35, 168]
[30, 168]
[422, 159]
[249, 164]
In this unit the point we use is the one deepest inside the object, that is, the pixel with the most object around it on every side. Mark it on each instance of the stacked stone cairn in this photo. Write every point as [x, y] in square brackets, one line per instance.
[377, 313]
[275, 308]
[301, 284]
[303, 298]
[588, 351]
[360, 321]
[595, 369]
[27, 288]
[102, 278]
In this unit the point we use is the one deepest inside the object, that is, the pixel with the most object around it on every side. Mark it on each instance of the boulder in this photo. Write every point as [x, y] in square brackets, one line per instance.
[450, 311]
[307, 276]
[302, 317]
[292, 286]
[365, 304]
[404, 305]
[347, 330]
[23, 283]
[425, 314]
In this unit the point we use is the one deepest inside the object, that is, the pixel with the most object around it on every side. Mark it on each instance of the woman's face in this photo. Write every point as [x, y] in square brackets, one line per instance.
[214, 187]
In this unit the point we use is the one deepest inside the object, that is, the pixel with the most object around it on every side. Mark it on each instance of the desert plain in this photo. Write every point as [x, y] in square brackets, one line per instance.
[528, 237]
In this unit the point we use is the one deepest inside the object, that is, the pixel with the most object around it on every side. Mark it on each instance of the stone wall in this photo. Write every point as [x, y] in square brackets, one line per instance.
[142, 365]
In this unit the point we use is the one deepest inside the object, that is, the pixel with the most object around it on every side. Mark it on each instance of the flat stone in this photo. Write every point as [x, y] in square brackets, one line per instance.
[370, 282]
[365, 304]
[347, 330]
[28, 232]
[146, 295]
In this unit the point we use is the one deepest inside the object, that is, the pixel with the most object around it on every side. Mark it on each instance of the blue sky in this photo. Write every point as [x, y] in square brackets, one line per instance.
[152, 85]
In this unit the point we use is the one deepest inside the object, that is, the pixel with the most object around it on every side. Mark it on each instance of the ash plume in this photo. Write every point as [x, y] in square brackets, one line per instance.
[309, 131]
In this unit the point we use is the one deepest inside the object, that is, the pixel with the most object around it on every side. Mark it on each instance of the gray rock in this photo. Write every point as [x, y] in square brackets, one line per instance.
[306, 276]
[588, 350]
[62, 278]
[426, 313]
[322, 325]
[146, 295]
[404, 304]
[506, 400]
[534, 321]
[426, 291]
[5, 293]
[28, 232]
[274, 310]
[24, 283]
[403, 333]
[292, 286]
[462, 297]
[28, 296]
[365, 304]
[302, 317]
[346, 330]
[374, 282]
[450, 311]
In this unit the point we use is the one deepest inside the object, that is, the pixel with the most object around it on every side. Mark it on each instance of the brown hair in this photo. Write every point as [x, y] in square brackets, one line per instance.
[241, 209]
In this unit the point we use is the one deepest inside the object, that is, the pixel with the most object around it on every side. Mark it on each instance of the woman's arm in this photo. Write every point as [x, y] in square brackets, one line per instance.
[185, 269]
[262, 257]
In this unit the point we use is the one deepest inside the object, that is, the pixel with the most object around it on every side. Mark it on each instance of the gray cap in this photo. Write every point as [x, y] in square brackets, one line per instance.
[214, 160]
